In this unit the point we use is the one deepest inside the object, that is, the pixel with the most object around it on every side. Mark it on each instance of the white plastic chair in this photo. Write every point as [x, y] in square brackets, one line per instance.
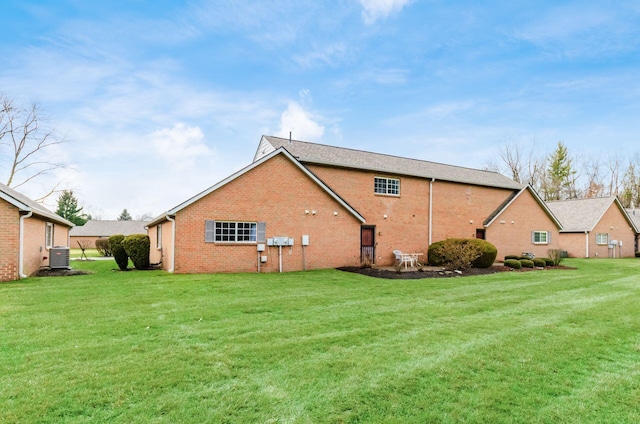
[403, 259]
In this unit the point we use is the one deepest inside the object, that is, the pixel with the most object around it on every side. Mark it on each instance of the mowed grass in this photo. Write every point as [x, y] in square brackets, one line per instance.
[323, 346]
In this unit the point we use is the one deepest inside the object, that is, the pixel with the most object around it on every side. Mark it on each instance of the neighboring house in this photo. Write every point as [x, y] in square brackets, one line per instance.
[634, 214]
[353, 207]
[595, 228]
[28, 231]
[94, 230]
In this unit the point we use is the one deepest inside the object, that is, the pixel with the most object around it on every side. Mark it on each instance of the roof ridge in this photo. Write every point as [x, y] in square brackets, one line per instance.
[383, 154]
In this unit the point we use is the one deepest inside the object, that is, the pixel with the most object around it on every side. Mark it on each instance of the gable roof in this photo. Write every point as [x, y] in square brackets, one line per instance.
[108, 228]
[512, 198]
[582, 215]
[24, 204]
[634, 214]
[322, 154]
[263, 159]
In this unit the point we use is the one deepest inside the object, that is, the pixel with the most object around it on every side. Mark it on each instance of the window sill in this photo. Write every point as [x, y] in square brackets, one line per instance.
[386, 195]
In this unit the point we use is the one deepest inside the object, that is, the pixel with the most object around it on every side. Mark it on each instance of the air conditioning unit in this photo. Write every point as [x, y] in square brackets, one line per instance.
[59, 257]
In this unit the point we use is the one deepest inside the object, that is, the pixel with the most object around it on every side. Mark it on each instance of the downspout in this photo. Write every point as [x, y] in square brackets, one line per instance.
[21, 253]
[586, 237]
[173, 242]
[431, 210]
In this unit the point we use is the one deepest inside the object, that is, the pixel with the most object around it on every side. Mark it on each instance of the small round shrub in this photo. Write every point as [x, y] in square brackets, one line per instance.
[487, 251]
[526, 263]
[539, 262]
[102, 246]
[507, 257]
[548, 262]
[137, 247]
[512, 263]
[118, 252]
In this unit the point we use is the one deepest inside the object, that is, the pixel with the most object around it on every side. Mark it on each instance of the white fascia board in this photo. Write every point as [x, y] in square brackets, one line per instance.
[248, 168]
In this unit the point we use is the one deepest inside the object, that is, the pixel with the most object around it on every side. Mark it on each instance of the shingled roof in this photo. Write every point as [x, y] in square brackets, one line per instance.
[25, 204]
[109, 228]
[342, 157]
[581, 215]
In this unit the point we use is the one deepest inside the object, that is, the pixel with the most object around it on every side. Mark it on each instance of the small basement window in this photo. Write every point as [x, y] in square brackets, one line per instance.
[602, 238]
[382, 185]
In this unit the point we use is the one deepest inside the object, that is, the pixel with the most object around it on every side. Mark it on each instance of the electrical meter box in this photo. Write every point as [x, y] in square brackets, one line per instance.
[305, 240]
[281, 241]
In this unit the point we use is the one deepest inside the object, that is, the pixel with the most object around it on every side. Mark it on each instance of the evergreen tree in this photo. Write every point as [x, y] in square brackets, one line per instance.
[560, 176]
[124, 216]
[68, 208]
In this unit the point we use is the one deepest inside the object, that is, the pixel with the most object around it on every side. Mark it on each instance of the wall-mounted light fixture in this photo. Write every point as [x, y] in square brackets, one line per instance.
[313, 212]
[335, 213]
[385, 216]
[502, 222]
[471, 221]
[306, 212]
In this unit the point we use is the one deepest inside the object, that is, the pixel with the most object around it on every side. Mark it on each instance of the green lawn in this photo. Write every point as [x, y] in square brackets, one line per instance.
[322, 346]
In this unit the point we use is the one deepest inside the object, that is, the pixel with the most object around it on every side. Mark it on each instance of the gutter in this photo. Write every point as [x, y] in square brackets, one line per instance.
[173, 243]
[586, 237]
[21, 248]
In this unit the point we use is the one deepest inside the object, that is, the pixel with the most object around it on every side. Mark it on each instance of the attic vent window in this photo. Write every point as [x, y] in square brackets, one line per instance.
[389, 186]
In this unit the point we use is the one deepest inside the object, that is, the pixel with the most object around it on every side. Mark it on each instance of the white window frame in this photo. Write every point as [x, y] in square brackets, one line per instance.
[235, 232]
[159, 236]
[387, 186]
[599, 238]
[537, 237]
[48, 235]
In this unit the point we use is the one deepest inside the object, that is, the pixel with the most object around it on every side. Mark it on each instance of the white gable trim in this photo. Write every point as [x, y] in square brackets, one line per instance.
[537, 198]
[279, 151]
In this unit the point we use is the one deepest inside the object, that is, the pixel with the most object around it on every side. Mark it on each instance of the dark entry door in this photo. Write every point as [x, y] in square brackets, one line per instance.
[367, 244]
[480, 233]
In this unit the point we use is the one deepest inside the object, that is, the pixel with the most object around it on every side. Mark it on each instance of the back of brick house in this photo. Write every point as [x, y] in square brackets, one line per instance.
[28, 231]
[352, 206]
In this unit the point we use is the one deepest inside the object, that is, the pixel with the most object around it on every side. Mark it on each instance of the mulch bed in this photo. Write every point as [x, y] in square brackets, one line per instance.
[46, 272]
[415, 275]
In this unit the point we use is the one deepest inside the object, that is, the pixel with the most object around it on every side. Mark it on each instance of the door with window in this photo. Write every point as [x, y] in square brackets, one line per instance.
[367, 244]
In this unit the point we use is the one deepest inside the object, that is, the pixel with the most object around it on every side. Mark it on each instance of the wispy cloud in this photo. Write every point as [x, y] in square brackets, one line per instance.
[380, 9]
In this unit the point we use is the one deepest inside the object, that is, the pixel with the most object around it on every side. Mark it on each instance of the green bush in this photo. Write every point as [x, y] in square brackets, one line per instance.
[462, 253]
[507, 257]
[513, 263]
[102, 246]
[526, 263]
[137, 247]
[548, 262]
[539, 262]
[118, 252]
[557, 255]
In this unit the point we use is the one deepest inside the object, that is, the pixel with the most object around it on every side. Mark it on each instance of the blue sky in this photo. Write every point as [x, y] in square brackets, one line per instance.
[161, 99]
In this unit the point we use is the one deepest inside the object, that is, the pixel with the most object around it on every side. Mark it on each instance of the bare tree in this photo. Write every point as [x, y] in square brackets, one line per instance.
[615, 177]
[592, 168]
[28, 140]
[521, 165]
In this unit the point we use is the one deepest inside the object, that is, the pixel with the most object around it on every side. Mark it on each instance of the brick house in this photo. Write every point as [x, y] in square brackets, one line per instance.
[29, 230]
[596, 228]
[353, 206]
[94, 230]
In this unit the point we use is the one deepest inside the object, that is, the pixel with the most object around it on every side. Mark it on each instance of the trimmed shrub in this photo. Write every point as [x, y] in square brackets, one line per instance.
[137, 247]
[118, 252]
[102, 246]
[539, 262]
[507, 257]
[462, 253]
[548, 262]
[512, 263]
[526, 263]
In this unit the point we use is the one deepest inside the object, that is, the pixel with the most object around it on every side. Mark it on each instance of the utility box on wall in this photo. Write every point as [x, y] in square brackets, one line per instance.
[305, 240]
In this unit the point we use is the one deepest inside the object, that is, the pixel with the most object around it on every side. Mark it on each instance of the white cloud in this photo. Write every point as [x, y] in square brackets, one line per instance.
[300, 122]
[180, 146]
[377, 9]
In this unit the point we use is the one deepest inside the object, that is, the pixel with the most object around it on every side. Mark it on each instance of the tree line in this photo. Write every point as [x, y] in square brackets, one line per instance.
[560, 175]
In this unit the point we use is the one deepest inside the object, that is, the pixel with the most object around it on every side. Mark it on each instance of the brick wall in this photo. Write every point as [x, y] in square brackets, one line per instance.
[9, 241]
[406, 226]
[511, 231]
[278, 193]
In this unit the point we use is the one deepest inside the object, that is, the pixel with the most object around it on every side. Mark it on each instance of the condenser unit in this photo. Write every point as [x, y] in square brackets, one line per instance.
[59, 257]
